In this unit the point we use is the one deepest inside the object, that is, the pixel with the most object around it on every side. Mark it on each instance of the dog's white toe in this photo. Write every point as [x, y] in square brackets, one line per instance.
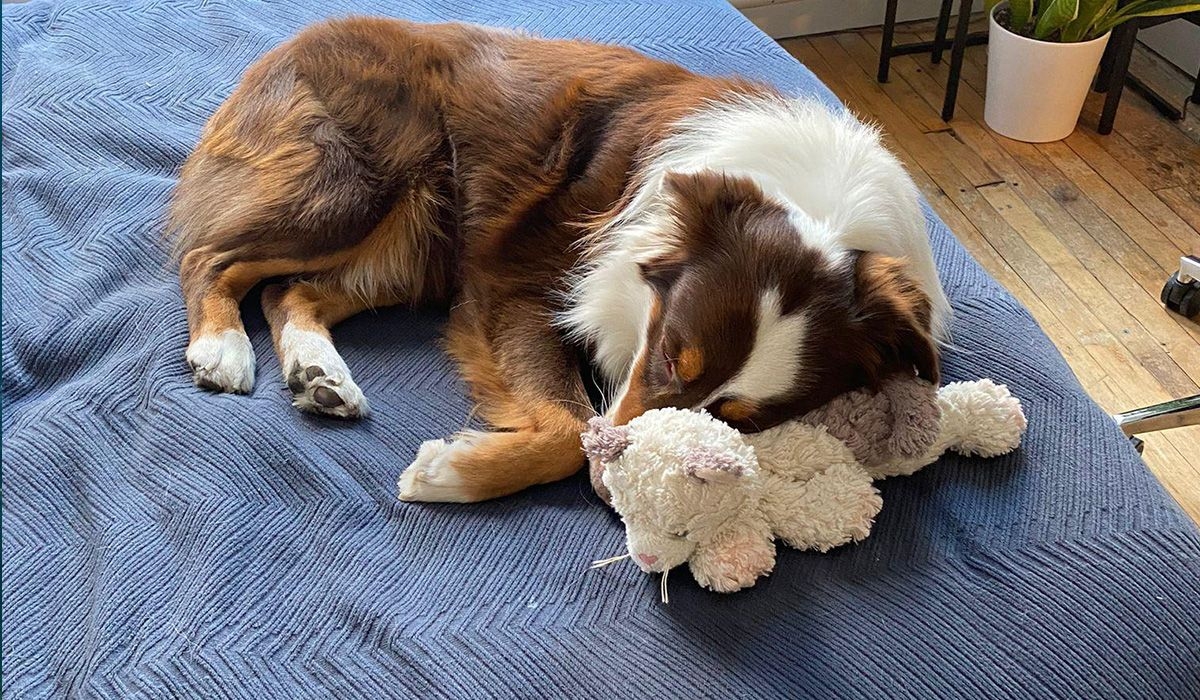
[431, 477]
[223, 362]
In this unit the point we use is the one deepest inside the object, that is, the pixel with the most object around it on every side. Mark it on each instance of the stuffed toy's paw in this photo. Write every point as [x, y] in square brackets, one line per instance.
[833, 508]
[732, 560]
[981, 418]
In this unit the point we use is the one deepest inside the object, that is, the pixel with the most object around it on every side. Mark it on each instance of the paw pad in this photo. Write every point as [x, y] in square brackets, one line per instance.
[332, 394]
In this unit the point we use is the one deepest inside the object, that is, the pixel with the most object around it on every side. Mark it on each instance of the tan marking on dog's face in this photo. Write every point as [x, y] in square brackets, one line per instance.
[736, 410]
[690, 364]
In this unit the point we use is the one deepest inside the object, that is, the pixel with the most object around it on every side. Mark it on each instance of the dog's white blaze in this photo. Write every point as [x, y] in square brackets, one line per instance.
[775, 362]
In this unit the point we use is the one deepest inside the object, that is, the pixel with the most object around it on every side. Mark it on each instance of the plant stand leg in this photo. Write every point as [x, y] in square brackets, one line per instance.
[1123, 37]
[889, 35]
[956, 58]
[1105, 72]
[939, 36]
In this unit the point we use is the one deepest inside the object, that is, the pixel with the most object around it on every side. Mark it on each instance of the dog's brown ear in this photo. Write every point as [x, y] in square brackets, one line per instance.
[662, 273]
[709, 207]
[894, 316]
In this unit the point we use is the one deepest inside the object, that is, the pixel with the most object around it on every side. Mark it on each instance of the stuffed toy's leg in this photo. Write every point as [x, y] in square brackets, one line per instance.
[832, 508]
[733, 559]
[979, 419]
[817, 495]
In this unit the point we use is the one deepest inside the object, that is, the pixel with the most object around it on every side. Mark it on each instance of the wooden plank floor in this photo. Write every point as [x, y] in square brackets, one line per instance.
[1083, 231]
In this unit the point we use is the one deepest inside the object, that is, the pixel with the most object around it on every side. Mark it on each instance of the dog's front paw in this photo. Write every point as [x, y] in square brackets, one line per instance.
[432, 476]
[222, 362]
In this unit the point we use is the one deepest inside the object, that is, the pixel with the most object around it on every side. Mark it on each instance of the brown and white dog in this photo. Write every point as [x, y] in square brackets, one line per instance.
[707, 242]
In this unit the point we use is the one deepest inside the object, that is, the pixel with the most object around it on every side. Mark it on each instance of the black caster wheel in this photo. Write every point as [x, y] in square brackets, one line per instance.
[1183, 299]
[1137, 443]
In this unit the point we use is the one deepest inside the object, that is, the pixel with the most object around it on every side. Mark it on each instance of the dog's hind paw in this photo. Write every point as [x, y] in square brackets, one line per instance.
[328, 394]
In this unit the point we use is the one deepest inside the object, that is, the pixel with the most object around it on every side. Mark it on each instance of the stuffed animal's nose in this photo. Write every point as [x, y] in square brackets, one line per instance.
[647, 559]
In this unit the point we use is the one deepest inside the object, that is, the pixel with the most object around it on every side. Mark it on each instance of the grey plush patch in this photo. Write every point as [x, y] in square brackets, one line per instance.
[603, 440]
[917, 417]
[704, 459]
[901, 421]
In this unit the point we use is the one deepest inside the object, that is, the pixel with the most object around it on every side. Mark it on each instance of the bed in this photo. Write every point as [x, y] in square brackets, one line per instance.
[160, 541]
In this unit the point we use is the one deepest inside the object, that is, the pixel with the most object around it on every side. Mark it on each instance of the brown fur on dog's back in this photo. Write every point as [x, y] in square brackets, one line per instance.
[360, 120]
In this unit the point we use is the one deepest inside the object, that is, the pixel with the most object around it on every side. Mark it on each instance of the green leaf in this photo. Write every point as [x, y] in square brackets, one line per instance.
[1144, 8]
[1021, 12]
[1055, 15]
[1089, 11]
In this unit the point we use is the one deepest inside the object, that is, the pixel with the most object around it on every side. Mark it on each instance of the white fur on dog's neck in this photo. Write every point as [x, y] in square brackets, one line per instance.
[843, 189]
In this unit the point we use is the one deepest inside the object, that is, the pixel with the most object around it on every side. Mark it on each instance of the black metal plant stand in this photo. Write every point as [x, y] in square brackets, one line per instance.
[962, 39]
[1114, 72]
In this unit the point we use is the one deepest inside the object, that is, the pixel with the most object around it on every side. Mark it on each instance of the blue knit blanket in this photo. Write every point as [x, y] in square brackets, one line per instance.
[160, 541]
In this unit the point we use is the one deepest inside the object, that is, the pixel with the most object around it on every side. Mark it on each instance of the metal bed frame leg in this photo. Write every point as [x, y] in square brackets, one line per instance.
[1179, 413]
[889, 34]
[956, 59]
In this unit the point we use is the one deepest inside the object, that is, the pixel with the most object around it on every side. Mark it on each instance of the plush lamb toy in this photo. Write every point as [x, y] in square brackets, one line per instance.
[689, 488]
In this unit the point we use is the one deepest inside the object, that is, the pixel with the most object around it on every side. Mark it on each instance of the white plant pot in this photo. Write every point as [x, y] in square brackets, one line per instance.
[1036, 89]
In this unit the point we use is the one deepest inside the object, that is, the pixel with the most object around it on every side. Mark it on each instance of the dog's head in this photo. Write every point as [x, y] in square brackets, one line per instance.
[754, 324]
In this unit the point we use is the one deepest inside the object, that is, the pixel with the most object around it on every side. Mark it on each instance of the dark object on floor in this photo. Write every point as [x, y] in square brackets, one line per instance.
[1181, 293]
[962, 39]
[1114, 71]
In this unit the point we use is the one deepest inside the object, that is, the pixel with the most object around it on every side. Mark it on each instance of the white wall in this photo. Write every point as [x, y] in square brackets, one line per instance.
[786, 18]
[1178, 42]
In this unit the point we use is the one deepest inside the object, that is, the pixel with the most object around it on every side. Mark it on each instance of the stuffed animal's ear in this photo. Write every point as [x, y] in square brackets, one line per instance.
[603, 440]
[710, 466]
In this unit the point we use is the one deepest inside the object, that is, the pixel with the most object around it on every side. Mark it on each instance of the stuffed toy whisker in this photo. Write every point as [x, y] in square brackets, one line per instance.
[601, 563]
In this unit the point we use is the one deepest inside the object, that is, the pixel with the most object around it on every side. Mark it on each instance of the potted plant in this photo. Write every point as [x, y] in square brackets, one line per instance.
[1043, 54]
